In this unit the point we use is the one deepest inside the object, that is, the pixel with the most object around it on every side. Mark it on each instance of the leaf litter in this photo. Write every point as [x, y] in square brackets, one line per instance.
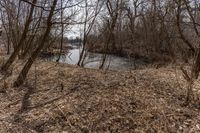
[61, 97]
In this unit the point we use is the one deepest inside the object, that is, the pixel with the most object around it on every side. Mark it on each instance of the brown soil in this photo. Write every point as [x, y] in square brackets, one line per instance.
[60, 97]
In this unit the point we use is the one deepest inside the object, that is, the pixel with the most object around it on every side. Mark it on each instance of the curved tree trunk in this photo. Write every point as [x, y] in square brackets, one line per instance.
[24, 72]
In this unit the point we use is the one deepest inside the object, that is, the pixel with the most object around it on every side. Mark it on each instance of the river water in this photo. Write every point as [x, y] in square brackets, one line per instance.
[93, 60]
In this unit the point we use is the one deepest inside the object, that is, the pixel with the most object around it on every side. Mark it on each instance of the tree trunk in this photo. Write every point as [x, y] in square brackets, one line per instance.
[196, 65]
[24, 72]
[11, 59]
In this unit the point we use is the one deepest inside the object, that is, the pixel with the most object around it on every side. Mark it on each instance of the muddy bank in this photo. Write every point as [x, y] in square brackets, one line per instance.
[60, 97]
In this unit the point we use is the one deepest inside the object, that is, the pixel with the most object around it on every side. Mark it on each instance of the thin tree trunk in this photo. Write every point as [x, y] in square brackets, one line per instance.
[7, 33]
[11, 59]
[31, 39]
[24, 72]
[84, 36]
[179, 28]
[62, 33]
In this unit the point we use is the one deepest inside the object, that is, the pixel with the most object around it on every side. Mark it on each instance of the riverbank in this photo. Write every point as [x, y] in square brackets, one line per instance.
[61, 97]
[56, 51]
[133, 53]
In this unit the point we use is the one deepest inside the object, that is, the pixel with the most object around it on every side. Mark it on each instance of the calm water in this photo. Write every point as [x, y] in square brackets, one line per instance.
[93, 60]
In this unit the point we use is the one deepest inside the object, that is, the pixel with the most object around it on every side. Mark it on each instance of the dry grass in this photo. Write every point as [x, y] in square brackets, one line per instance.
[57, 98]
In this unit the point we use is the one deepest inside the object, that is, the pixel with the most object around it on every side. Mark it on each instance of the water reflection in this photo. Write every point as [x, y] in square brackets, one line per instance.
[93, 60]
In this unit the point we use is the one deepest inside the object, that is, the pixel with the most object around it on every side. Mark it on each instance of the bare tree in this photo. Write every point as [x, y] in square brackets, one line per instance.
[30, 61]
[113, 11]
[11, 59]
[88, 25]
[195, 68]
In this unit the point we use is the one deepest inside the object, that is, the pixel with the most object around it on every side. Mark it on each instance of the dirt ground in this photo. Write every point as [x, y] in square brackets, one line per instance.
[65, 98]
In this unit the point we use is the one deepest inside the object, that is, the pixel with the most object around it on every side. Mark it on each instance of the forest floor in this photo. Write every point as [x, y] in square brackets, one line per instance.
[61, 97]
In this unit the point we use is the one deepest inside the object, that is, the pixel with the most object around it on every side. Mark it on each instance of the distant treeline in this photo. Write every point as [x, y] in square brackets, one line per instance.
[73, 40]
